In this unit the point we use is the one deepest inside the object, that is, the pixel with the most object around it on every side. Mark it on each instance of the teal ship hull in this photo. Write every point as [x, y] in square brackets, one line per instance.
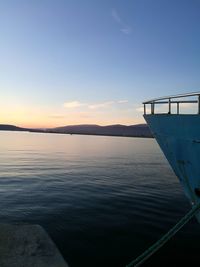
[179, 138]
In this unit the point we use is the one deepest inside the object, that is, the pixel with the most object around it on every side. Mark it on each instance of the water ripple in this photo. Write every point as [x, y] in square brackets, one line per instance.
[102, 199]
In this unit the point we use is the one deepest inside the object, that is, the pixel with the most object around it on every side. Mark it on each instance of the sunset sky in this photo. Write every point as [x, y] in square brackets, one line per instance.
[86, 61]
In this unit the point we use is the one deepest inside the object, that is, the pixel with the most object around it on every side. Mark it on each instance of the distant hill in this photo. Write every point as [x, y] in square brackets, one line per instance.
[7, 127]
[139, 130]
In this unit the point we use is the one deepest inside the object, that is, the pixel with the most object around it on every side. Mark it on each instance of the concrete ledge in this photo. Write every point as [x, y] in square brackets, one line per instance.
[28, 246]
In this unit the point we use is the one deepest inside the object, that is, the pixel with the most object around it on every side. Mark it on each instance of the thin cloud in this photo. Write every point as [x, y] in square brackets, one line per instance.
[73, 104]
[77, 104]
[101, 105]
[124, 28]
[115, 15]
[57, 116]
[122, 101]
[140, 109]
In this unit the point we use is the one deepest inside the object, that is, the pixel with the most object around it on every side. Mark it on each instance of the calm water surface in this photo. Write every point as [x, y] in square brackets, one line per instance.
[103, 200]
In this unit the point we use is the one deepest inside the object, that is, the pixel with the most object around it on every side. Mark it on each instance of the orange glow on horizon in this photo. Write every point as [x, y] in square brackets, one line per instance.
[50, 117]
[51, 124]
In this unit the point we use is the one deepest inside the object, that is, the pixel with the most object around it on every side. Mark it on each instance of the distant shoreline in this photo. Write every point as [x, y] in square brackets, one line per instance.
[93, 134]
[139, 130]
[101, 134]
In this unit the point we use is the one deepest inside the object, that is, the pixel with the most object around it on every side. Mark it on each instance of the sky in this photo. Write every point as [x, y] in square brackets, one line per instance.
[66, 62]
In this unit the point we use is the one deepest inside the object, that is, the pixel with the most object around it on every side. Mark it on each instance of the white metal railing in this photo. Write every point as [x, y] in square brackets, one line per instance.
[174, 99]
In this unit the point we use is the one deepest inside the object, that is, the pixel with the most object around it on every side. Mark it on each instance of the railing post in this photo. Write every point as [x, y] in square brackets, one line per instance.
[169, 112]
[144, 109]
[198, 104]
[177, 107]
[152, 108]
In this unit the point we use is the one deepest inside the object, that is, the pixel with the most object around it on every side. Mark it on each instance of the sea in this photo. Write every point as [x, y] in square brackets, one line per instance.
[103, 200]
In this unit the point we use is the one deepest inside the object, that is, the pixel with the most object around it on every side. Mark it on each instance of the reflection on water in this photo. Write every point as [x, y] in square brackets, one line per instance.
[103, 200]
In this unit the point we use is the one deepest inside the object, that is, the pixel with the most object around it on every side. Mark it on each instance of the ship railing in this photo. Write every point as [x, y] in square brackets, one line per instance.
[170, 101]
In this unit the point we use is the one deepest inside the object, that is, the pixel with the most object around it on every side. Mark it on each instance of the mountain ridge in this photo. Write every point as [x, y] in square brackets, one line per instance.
[137, 130]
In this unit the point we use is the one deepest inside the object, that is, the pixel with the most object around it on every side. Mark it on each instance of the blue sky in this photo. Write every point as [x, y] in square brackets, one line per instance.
[75, 62]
